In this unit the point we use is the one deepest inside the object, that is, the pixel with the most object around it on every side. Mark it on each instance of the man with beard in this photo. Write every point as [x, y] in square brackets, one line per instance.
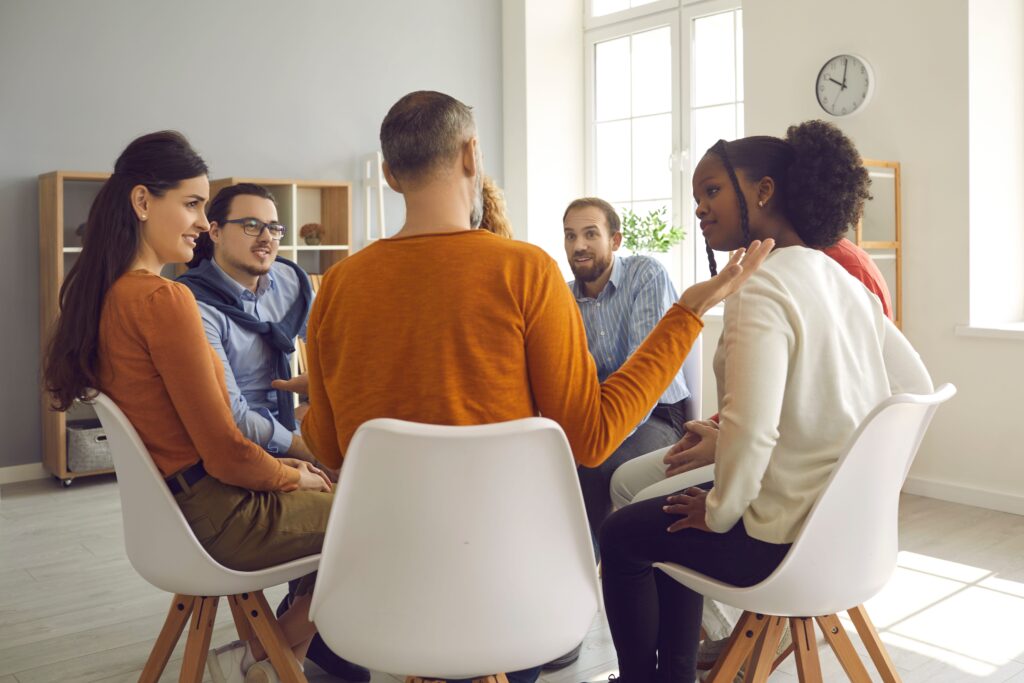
[254, 304]
[621, 300]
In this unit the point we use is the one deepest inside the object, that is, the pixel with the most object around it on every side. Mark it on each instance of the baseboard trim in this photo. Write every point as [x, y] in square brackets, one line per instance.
[966, 495]
[13, 474]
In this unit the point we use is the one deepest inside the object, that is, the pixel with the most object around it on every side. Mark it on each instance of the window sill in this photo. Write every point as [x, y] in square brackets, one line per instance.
[1002, 331]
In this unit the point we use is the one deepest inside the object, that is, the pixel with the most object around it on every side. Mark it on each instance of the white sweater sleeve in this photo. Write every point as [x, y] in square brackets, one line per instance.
[903, 365]
[758, 339]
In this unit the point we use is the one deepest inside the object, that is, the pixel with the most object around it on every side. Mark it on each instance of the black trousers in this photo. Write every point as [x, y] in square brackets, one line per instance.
[655, 620]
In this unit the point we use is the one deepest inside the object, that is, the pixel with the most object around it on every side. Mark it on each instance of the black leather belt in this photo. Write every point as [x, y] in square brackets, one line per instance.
[185, 479]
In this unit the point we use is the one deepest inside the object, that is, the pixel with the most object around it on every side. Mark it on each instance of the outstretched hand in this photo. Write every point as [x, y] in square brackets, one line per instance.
[742, 264]
[299, 384]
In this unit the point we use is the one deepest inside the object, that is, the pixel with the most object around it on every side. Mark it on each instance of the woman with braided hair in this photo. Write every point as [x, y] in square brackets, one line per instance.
[806, 353]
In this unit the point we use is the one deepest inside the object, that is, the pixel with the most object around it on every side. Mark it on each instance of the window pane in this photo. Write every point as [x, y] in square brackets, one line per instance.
[739, 57]
[652, 72]
[652, 149]
[714, 54]
[599, 8]
[711, 125]
[741, 124]
[613, 160]
[611, 79]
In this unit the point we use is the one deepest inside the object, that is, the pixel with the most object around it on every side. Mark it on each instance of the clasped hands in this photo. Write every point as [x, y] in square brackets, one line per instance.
[696, 449]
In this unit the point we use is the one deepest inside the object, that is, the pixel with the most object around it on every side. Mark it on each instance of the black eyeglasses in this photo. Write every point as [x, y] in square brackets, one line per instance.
[254, 227]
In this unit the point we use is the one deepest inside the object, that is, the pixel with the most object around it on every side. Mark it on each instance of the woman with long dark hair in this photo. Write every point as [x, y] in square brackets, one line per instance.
[806, 353]
[128, 332]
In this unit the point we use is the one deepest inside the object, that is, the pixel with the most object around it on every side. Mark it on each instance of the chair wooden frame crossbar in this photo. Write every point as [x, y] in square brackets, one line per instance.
[253, 620]
[756, 639]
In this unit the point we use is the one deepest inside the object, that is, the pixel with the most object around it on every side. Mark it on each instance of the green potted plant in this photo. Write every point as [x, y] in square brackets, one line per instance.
[650, 233]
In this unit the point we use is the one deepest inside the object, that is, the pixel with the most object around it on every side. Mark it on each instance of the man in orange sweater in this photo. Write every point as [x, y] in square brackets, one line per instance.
[446, 324]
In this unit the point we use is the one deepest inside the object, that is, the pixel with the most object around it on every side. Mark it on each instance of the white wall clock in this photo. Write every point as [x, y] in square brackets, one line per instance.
[844, 85]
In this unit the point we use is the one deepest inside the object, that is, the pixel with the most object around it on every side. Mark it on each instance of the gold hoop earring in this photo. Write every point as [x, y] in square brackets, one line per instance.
[144, 218]
[761, 203]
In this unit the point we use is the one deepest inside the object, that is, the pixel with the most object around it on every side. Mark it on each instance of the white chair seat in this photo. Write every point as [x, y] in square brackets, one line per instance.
[846, 550]
[456, 552]
[162, 548]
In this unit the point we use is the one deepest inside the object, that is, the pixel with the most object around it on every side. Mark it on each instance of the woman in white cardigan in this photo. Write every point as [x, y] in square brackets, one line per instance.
[805, 354]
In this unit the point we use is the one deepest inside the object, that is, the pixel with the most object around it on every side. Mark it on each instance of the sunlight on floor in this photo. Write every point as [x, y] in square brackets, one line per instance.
[939, 610]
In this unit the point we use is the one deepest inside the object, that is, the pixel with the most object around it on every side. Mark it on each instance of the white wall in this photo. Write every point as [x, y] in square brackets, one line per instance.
[918, 116]
[265, 89]
[544, 118]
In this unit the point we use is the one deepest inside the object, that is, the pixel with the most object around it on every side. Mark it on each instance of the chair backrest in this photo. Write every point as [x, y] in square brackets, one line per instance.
[693, 375]
[846, 550]
[159, 543]
[453, 552]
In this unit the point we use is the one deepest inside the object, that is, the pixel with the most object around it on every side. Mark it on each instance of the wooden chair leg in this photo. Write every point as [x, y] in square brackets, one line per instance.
[836, 636]
[874, 644]
[174, 624]
[808, 668]
[763, 657]
[494, 678]
[198, 643]
[263, 622]
[741, 643]
[241, 623]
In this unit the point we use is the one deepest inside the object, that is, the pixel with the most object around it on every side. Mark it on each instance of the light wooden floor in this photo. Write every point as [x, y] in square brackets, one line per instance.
[72, 610]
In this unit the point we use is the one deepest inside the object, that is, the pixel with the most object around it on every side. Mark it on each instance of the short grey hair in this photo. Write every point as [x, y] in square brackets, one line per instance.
[423, 130]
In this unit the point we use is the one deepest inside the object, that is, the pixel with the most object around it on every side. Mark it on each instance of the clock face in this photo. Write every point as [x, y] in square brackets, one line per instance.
[844, 84]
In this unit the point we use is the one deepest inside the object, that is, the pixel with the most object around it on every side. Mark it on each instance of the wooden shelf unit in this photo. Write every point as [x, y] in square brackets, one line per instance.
[64, 201]
[883, 235]
[328, 202]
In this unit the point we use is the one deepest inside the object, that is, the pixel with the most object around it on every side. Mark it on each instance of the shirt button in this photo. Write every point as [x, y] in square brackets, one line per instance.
[602, 333]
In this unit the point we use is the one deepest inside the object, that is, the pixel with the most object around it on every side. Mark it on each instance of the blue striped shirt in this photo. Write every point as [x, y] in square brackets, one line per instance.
[637, 295]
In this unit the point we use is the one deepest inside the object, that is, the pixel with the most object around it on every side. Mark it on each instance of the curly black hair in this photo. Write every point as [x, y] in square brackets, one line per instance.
[820, 181]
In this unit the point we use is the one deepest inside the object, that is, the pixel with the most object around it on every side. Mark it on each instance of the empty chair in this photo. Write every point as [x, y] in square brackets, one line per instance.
[843, 555]
[164, 551]
[456, 552]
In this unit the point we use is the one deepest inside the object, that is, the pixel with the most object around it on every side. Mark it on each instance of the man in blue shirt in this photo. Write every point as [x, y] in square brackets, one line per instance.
[254, 305]
[621, 299]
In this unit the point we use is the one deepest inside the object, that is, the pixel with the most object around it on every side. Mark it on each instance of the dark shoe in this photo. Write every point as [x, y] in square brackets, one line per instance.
[324, 657]
[565, 660]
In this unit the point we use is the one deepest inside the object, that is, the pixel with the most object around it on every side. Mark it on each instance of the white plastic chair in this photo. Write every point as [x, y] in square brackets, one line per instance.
[456, 552]
[843, 555]
[164, 551]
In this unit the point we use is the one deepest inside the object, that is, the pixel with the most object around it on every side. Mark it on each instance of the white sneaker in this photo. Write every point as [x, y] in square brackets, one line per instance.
[225, 663]
[264, 672]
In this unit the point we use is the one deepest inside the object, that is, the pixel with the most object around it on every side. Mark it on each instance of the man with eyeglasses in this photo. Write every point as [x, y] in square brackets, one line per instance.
[254, 304]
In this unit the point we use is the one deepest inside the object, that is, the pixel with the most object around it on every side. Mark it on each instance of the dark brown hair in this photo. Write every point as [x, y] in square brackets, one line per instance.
[158, 161]
[610, 215]
[217, 212]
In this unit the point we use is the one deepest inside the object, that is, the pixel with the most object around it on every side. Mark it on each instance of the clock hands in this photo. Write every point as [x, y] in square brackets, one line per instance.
[846, 63]
[841, 85]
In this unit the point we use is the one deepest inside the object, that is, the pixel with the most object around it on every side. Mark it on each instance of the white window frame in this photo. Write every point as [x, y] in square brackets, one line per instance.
[678, 16]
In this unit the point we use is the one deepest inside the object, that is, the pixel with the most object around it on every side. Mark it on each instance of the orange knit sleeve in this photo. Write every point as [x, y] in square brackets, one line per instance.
[596, 417]
[318, 429]
[173, 332]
